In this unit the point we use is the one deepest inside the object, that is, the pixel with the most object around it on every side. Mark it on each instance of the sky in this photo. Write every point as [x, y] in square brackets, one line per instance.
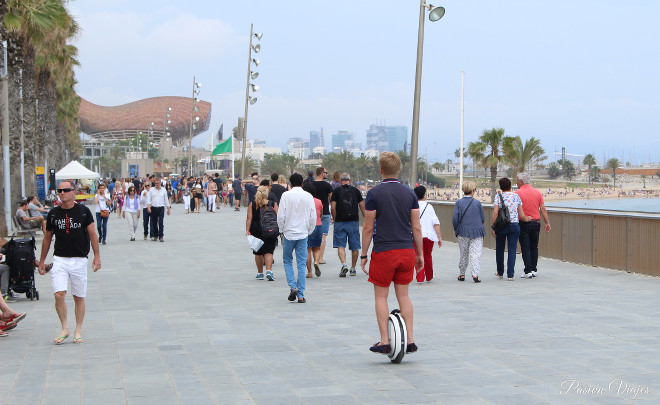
[583, 75]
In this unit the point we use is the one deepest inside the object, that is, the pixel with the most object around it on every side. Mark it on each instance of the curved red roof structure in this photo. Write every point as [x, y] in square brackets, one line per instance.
[125, 121]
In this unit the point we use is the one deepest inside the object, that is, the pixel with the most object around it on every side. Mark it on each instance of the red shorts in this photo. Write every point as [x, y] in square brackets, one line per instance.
[396, 266]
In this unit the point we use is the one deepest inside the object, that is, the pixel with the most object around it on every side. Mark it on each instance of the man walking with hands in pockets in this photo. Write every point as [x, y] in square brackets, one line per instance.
[392, 220]
[73, 227]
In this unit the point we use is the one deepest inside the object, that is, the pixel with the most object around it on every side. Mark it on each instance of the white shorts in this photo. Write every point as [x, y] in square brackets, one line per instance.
[67, 269]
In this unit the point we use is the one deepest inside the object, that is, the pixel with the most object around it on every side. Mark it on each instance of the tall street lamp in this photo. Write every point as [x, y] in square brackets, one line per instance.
[249, 100]
[435, 13]
[193, 119]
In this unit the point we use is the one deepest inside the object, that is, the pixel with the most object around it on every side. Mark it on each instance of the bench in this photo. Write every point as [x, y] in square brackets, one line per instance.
[19, 230]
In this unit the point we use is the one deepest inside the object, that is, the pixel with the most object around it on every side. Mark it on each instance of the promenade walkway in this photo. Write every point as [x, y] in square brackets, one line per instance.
[186, 322]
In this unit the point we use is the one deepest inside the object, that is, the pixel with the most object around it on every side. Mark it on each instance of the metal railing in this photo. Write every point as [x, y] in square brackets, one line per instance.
[609, 239]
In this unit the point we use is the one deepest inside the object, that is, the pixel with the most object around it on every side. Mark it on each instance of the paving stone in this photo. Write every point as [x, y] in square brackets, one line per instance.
[185, 322]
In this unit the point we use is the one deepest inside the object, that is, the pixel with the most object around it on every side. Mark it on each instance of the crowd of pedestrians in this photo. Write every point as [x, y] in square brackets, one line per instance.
[395, 245]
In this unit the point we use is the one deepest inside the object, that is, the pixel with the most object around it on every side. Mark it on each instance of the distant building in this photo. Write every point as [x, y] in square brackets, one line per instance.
[315, 139]
[298, 147]
[387, 138]
[340, 139]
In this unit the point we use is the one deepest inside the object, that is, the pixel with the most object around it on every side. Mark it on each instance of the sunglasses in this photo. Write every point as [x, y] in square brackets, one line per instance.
[64, 190]
[147, 186]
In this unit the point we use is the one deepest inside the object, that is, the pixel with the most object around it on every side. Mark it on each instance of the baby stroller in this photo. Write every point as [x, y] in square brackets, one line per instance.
[21, 260]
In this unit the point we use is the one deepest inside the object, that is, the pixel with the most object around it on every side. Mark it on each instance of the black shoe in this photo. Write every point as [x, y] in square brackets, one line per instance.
[411, 348]
[301, 300]
[161, 239]
[476, 279]
[292, 295]
[132, 239]
[103, 242]
[461, 278]
[382, 349]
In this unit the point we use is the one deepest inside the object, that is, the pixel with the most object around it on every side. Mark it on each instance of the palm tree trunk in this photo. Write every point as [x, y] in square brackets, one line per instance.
[493, 179]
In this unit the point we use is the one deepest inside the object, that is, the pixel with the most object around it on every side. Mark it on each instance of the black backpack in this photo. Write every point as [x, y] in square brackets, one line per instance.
[347, 205]
[21, 259]
[268, 221]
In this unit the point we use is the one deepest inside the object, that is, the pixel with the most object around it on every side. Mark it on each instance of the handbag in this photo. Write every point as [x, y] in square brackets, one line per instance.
[462, 215]
[503, 219]
[104, 213]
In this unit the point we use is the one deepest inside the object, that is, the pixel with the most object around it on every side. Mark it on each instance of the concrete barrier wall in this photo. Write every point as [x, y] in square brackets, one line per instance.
[619, 241]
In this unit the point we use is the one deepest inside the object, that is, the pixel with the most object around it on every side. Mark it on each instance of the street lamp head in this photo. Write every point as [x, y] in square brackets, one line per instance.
[252, 100]
[197, 91]
[256, 62]
[196, 119]
[198, 85]
[254, 75]
[255, 88]
[196, 108]
[436, 13]
[169, 109]
[256, 48]
[258, 36]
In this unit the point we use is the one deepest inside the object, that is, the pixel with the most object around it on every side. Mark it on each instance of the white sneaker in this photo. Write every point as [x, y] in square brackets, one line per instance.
[510, 279]
[528, 275]
[533, 274]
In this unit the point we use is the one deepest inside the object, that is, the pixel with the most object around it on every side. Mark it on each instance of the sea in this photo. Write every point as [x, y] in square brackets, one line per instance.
[651, 205]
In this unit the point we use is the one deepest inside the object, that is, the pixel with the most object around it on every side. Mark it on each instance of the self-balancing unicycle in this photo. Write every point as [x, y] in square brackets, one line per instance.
[398, 336]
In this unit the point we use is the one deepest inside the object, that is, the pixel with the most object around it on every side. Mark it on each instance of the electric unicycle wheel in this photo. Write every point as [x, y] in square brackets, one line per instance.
[398, 336]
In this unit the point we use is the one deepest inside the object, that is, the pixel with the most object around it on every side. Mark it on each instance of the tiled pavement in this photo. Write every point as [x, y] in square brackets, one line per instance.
[186, 322]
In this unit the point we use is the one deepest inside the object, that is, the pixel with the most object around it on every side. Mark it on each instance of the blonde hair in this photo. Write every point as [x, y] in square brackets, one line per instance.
[281, 179]
[390, 163]
[261, 198]
[468, 187]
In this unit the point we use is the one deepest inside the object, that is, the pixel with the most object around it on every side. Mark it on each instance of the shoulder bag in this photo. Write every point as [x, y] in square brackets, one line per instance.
[503, 219]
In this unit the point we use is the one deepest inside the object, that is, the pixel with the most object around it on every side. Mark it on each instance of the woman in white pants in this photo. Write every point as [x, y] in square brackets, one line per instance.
[132, 211]
[468, 221]
[185, 189]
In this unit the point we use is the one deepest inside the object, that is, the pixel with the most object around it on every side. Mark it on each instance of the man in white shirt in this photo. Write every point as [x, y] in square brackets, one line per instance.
[156, 202]
[296, 218]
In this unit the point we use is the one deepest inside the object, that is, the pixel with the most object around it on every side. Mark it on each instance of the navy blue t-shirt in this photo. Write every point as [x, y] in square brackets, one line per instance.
[392, 202]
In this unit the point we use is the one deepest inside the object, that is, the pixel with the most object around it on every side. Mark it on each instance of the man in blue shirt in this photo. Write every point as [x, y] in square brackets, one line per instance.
[395, 210]
[238, 192]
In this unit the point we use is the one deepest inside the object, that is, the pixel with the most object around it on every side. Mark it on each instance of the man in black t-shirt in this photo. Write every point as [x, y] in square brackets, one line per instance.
[347, 202]
[275, 187]
[323, 193]
[73, 227]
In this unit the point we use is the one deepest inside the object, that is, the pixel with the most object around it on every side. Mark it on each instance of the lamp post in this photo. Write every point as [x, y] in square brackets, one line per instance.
[193, 119]
[460, 181]
[435, 13]
[249, 100]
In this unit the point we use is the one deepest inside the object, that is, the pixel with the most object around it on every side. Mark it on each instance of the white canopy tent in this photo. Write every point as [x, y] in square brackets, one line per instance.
[75, 170]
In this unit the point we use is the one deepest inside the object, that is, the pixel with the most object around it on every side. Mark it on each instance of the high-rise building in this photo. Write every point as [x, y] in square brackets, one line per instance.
[315, 139]
[397, 138]
[340, 138]
[387, 138]
[298, 147]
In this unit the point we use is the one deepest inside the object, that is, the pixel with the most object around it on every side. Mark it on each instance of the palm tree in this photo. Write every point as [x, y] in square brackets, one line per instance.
[291, 163]
[643, 176]
[487, 151]
[589, 160]
[520, 156]
[613, 164]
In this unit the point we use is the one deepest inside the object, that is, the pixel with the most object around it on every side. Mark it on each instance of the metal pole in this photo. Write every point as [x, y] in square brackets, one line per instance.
[460, 182]
[192, 113]
[4, 99]
[418, 89]
[20, 114]
[247, 97]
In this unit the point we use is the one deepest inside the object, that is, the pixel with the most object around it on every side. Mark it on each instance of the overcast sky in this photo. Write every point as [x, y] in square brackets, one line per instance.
[579, 74]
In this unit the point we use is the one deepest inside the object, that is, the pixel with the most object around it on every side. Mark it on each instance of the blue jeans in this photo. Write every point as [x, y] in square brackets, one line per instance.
[508, 235]
[157, 216]
[145, 223]
[300, 246]
[325, 224]
[101, 226]
[231, 199]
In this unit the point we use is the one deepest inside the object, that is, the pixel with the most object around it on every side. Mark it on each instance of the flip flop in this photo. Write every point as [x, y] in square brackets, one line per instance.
[310, 276]
[77, 340]
[7, 327]
[3, 334]
[16, 318]
[61, 339]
